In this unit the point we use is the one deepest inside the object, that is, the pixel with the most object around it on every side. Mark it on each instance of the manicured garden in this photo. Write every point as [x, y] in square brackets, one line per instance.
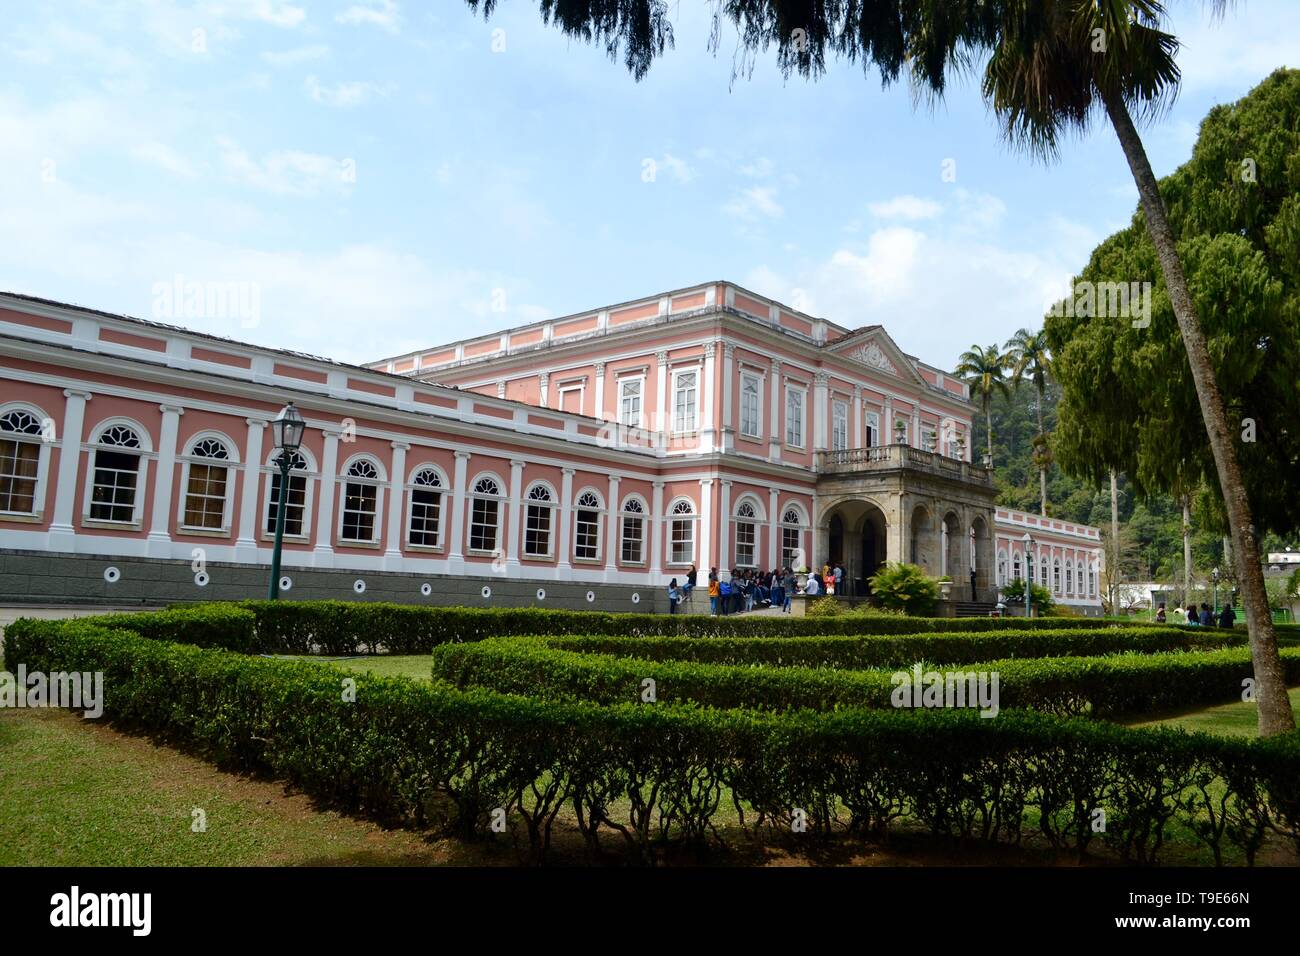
[645, 737]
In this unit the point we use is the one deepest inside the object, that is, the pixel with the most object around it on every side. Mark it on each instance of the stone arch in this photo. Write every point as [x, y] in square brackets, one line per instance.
[855, 535]
[921, 545]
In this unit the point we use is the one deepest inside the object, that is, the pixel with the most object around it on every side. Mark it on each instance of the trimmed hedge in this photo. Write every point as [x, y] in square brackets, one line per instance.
[402, 750]
[353, 627]
[1067, 686]
[899, 649]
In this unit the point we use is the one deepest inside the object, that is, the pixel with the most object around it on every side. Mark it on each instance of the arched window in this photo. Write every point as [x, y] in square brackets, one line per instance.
[425, 522]
[21, 450]
[792, 552]
[115, 489]
[207, 486]
[681, 535]
[633, 531]
[485, 516]
[1056, 575]
[295, 508]
[1016, 568]
[1002, 568]
[746, 536]
[537, 521]
[361, 502]
[1092, 581]
[1069, 578]
[1042, 571]
[586, 527]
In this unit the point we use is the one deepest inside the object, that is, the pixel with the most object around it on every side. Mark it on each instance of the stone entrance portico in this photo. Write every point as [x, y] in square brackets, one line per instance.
[892, 503]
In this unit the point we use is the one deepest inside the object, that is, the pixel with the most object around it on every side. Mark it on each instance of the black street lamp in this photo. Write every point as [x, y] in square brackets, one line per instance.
[1215, 575]
[287, 430]
[1029, 575]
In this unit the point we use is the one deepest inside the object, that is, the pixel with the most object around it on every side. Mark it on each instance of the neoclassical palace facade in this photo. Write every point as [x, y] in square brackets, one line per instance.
[576, 462]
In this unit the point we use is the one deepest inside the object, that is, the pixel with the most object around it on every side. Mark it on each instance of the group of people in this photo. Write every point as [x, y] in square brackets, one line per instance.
[747, 590]
[1203, 617]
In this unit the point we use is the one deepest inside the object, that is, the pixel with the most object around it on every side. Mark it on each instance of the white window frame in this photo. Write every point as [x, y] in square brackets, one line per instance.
[839, 425]
[691, 521]
[188, 460]
[600, 525]
[42, 460]
[793, 389]
[694, 407]
[502, 501]
[753, 521]
[872, 438]
[379, 484]
[564, 388]
[798, 527]
[624, 418]
[443, 490]
[145, 453]
[1002, 567]
[539, 505]
[640, 517]
[757, 379]
[271, 470]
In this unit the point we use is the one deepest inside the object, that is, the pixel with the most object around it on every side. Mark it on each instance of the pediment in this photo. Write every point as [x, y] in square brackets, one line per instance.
[876, 350]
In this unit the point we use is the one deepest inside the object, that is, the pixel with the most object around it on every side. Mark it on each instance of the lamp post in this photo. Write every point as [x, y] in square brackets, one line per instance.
[1215, 576]
[287, 430]
[1029, 575]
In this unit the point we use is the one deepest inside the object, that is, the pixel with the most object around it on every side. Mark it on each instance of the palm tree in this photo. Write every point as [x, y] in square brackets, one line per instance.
[1053, 66]
[985, 369]
[1029, 357]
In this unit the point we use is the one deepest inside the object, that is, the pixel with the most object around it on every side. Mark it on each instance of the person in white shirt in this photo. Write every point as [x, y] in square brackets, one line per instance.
[811, 587]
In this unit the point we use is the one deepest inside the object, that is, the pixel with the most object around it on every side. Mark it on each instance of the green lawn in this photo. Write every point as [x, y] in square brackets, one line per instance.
[77, 793]
[1234, 720]
[419, 666]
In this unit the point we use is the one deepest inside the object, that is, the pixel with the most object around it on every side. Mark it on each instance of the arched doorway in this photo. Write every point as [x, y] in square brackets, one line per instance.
[921, 545]
[856, 540]
[981, 555]
[953, 542]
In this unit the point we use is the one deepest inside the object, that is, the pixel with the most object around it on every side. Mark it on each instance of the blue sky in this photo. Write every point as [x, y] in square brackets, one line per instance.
[388, 177]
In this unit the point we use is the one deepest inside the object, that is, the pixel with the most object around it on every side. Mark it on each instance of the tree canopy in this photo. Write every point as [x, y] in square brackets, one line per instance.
[1128, 400]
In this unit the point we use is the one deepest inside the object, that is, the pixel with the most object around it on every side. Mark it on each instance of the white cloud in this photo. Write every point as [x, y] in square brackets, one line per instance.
[1237, 51]
[905, 207]
[285, 172]
[302, 54]
[760, 168]
[757, 202]
[164, 157]
[678, 167]
[342, 94]
[263, 11]
[380, 13]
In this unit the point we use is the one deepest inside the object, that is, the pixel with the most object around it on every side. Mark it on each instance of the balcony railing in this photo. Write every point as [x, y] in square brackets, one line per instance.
[893, 457]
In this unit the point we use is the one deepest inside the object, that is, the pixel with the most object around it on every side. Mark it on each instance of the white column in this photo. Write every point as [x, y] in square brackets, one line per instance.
[706, 524]
[774, 419]
[656, 530]
[396, 507]
[544, 381]
[324, 551]
[565, 568]
[599, 411]
[724, 528]
[456, 540]
[728, 429]
[708, 398]
[774, 529]
[821, 399]
[515, 522]
[916, 427]
[159, 544]
[246, 543]
[887, 422]
[817, 546]
[62, 535]
[611, 535]
[855, 439]
[662, 428]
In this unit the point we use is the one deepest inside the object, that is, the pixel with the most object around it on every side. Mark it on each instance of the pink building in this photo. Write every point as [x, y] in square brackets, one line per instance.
[580, 461]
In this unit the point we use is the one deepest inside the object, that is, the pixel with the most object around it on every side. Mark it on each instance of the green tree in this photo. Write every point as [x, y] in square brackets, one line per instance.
[986, 371]
[1031, 359]
[1052, 66]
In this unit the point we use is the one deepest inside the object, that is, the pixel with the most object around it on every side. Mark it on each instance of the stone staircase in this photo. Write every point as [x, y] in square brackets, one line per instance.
[972, 609]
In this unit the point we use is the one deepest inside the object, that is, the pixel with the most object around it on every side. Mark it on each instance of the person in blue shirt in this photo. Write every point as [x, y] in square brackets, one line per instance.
[674, 595]
[1207, 618]
[724, 596]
